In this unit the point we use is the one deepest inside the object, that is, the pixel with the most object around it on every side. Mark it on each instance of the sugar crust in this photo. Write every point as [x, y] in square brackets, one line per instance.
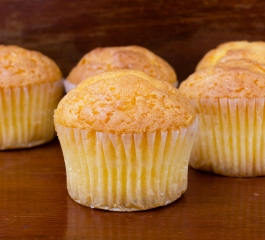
[233, 79]
[21, 67]
[125, 57]
[234, 50]
[124, 101]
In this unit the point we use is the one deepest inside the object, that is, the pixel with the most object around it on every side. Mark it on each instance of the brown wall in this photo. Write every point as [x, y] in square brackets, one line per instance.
[179, 31]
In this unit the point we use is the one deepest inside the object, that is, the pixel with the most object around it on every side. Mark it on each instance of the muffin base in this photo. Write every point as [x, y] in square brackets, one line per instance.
[26, 114]
[231, 137]
[126, 172]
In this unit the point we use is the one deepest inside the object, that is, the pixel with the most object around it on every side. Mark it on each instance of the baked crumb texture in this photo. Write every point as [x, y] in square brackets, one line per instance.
[124, 101]
[30, 89]
[126, 140]
[234, 79]
[20, 67]
[113, 58]
[234, 50]
[229, 100]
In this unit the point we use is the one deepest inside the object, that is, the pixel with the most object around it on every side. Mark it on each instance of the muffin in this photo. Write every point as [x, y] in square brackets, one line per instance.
[113, 58]
[229, 99]
[126, 139]
[30, 88]
[232, 51]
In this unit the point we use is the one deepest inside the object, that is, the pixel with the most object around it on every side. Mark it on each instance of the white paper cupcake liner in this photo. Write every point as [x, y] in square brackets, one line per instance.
[231, 137]
[26, 114]
[68, 86]
[127, 172]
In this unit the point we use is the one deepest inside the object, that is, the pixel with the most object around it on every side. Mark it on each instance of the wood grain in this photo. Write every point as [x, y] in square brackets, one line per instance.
[179, 31]
[34, 204]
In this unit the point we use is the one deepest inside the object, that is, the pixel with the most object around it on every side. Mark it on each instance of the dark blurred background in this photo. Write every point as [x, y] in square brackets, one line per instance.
[181, 32]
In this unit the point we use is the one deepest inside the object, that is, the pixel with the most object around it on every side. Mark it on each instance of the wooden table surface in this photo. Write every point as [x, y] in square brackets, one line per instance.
[34, 204]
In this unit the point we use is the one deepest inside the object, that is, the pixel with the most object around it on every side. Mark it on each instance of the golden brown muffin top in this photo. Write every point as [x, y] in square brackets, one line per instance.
[21, 67]
[234, 50]
[233, 79]
[124, 101]
[129, 57]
